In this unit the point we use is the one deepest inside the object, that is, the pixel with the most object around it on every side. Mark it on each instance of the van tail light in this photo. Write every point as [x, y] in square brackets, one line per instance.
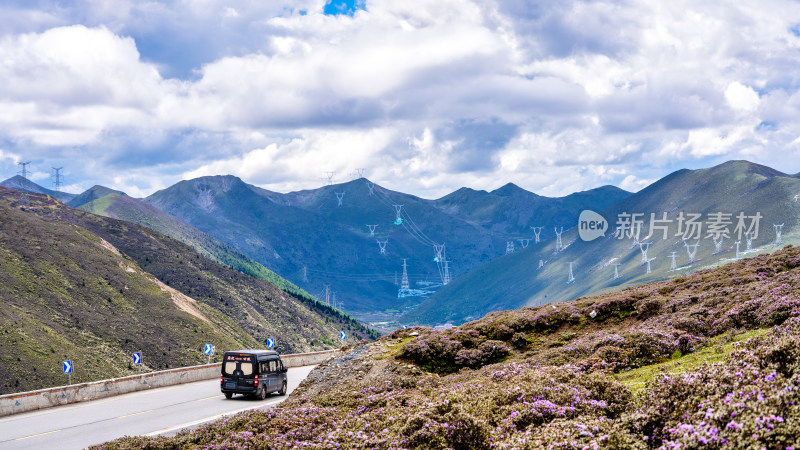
[255, 382]
[221, 380]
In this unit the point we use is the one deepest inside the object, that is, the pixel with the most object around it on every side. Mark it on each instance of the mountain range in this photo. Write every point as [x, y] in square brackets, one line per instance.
[732, 188]
[323, 245]
[322, 239]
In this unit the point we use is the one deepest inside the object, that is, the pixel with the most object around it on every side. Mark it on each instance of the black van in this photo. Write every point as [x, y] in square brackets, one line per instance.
[252, 372]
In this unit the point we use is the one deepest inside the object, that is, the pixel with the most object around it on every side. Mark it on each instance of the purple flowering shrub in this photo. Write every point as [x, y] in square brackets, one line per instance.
[547, 377]
[435, 352]
[752, 401]
[488, 352]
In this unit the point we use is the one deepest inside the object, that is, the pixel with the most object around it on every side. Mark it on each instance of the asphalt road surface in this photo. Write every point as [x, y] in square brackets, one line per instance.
[162, 411]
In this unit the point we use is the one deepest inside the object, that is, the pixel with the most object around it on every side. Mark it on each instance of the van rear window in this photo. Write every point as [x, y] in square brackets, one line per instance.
[229, 367]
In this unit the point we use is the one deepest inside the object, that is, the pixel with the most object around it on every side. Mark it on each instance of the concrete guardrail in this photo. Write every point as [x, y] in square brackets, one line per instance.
[63, 395]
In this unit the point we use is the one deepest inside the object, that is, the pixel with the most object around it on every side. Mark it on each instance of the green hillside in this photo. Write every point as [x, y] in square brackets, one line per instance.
[90, 289]
[93, 193]
[120, 206]
[515, 280]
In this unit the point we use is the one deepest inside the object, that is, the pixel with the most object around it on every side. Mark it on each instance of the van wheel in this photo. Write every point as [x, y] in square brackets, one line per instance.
[283, 389]
[262, 394]
[228, 395]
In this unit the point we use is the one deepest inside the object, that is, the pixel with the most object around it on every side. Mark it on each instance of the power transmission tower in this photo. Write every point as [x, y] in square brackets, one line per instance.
[636, 236]
[446, 273]
[718, 245]
[382, 246]
[541, 263]
[371, 187]
[329, 177]
[398, 209]
[778, 231]
[537, 231]
[559, 245]
[57, 181]
[738, 255]
[438, 252]
[404, 281]
[327, 295]
[339, 197]
[360, 173]
[509, 247]
[648, 263]
[372, 230]
[23, 195]
[305, 274]
[673, 266]
[644, 246]
[749, 237]
[524, 242]
[571, 277]
[24, 170]
[691, 250]
[616, 270]
[405, 286]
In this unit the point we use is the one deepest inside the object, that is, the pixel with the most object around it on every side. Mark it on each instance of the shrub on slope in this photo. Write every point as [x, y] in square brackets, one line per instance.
[561, 380]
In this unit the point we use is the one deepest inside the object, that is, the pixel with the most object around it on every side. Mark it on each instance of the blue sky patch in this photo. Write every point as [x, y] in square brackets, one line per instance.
[343, 7]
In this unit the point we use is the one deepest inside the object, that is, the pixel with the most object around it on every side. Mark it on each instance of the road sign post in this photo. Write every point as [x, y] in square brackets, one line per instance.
[137, 361]
[209, 350]
[270, 343]
[67, 366]
[343, 335]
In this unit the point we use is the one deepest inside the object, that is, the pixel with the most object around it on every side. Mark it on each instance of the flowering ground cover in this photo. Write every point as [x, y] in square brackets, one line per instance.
[710, 360]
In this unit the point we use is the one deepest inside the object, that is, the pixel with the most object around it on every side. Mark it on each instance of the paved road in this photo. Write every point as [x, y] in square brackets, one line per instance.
[164, 411]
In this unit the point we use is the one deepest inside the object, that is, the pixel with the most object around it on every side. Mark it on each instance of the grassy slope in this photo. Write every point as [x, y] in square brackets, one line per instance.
[56, 284]
[66, 297]
[93, 193]
[514, 281]
[562, 376]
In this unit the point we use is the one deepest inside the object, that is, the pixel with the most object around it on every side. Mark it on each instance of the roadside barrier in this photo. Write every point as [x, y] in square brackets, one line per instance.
[64, 395]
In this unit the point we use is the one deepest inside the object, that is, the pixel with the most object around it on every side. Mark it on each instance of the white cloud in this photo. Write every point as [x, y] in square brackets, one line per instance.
[537, 93]
[741, 97]
[303, 161]
[7, 155]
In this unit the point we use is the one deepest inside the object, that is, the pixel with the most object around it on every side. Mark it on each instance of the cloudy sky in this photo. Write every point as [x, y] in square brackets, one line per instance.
[426, 95]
